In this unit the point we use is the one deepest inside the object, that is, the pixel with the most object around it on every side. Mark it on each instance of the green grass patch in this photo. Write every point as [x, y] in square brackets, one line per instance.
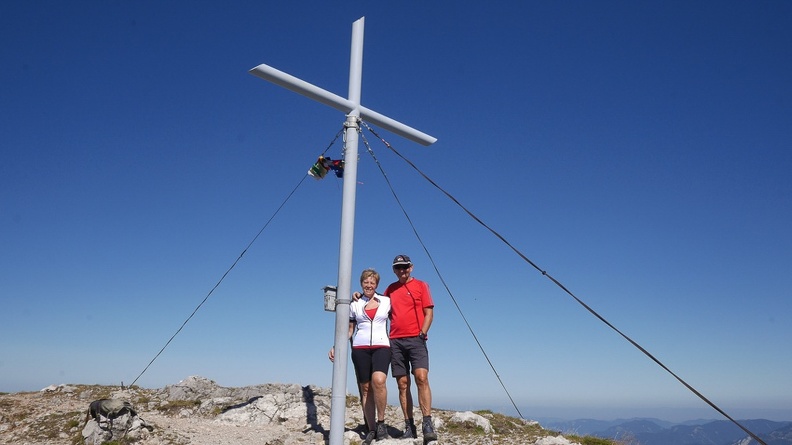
[174, 406]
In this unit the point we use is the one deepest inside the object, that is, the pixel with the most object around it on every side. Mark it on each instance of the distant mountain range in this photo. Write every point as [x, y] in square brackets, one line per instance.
[647, 431]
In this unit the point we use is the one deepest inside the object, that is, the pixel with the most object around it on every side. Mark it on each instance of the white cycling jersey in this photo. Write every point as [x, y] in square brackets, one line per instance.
[370, 332]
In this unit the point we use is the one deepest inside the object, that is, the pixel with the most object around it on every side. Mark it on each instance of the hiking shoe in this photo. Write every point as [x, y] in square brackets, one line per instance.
[428, 431]
[382, 431]
[410, 431]
[370, 436]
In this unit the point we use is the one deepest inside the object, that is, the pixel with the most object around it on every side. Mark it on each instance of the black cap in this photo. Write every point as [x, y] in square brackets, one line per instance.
[402, 260]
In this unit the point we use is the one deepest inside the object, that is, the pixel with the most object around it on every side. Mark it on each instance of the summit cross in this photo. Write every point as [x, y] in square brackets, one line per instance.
[354, 113]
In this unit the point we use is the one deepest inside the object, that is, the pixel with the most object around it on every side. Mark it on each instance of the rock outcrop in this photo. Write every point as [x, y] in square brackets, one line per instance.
[198, 411]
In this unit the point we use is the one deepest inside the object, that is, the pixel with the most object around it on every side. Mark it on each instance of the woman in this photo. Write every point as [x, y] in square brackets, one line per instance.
[371, 352]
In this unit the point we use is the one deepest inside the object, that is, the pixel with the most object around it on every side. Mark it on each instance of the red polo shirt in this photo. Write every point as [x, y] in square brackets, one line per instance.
[407, 304]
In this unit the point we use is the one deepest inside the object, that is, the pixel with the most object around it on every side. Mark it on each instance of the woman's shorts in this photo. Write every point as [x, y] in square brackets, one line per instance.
[369, 360]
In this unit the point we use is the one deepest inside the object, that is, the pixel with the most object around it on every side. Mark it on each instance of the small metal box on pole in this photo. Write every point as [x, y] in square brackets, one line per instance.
[330, 298]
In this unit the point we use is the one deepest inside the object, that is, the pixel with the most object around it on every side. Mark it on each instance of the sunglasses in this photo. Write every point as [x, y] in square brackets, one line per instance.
[402, 267]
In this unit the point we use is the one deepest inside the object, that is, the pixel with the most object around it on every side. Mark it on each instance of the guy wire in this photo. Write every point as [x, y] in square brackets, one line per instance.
[557, 283]
[232, 265]
[437, 271]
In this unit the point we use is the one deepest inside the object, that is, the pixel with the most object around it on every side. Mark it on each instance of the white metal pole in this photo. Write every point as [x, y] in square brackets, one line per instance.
[354, 111]
[338, 400]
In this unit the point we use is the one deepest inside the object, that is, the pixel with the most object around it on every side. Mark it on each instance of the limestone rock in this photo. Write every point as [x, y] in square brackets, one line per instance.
[469, 417]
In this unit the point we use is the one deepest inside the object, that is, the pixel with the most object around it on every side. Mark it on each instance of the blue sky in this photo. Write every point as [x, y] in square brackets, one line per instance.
[639, 152]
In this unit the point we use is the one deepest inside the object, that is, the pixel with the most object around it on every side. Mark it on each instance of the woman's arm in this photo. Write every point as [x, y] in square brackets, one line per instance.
[331, 354]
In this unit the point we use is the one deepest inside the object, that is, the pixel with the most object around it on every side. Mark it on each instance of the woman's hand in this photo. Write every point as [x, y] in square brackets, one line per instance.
[331, 354]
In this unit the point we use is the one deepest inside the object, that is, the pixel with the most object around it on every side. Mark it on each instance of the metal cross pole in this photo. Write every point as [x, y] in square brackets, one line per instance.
[354, 112]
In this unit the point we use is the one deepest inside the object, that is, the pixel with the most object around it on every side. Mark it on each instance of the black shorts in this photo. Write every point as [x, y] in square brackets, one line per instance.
[369, 360]
[408, 353]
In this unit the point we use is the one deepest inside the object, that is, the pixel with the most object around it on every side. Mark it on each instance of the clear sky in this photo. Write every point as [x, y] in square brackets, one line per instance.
[639, 152]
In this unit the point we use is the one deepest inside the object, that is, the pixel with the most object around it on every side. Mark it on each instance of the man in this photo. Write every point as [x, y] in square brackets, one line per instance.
[412, 311]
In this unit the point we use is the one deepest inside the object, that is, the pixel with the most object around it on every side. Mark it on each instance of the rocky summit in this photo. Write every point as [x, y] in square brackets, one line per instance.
[198, 411]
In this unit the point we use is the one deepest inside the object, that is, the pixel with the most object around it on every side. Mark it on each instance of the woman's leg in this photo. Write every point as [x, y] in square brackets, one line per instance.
[380, 390]
[368, 402]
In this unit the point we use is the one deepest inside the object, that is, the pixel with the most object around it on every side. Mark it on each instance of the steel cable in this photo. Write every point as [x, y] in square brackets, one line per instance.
[561, 286]
[442, 280]
[232, 266]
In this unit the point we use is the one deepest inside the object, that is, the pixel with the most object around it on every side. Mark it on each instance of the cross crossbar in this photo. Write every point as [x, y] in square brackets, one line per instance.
[311, 91]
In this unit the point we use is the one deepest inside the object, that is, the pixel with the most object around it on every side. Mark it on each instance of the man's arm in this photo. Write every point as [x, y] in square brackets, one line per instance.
[428, 317]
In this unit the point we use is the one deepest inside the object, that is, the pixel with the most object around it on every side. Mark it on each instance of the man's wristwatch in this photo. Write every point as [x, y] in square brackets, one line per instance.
[422, 336]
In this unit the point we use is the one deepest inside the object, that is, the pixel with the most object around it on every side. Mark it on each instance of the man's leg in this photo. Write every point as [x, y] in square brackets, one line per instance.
[406, 402]
[405, 395]
[425, 399]
[424, 392]
[400, 367]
